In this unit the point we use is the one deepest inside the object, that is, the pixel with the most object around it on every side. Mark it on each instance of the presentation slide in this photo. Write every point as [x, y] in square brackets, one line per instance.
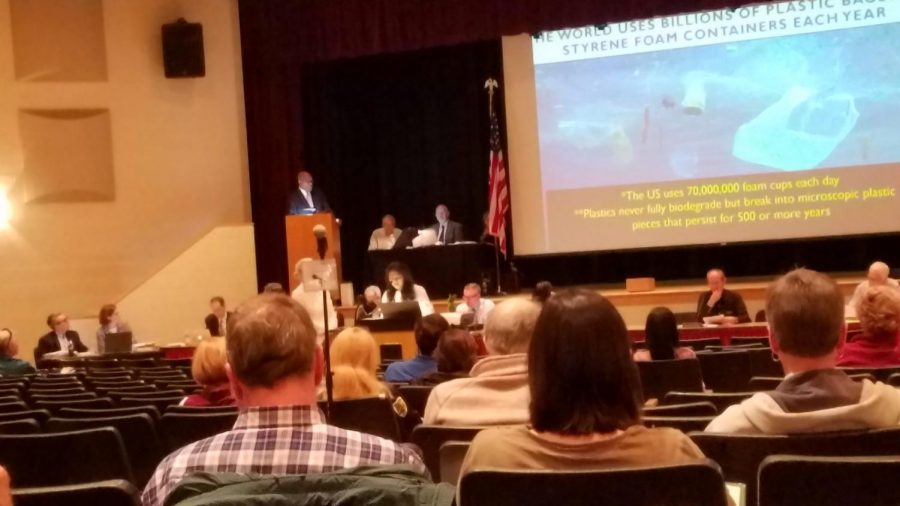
[764, 122]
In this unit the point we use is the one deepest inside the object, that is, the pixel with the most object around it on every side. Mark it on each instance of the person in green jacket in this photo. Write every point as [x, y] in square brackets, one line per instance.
[9, 364]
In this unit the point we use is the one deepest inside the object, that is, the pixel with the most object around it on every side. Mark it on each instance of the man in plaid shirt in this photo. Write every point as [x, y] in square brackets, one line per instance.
[274, 365]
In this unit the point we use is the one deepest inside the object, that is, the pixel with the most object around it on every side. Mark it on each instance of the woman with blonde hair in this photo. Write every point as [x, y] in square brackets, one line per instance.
[878, 311]
[208, 370]
[355, 358]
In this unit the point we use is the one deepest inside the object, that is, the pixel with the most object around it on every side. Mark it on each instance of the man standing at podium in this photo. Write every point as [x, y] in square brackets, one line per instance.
[307, 199]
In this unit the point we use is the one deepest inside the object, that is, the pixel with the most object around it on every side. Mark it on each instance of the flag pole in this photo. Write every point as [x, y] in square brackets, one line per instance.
[491, 84]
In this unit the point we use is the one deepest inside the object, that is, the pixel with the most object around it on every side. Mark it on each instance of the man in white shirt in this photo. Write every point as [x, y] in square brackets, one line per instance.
[386, 236]
[878, 275]
[312, 303]
[473, 303]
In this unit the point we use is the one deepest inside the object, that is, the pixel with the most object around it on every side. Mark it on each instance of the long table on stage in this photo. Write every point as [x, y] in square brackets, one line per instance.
[442, 270]
[725, 332]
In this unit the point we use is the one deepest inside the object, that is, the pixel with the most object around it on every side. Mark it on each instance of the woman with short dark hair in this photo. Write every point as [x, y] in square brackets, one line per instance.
[585, 399]
[455, 355]
[661, 337]
[110, 323]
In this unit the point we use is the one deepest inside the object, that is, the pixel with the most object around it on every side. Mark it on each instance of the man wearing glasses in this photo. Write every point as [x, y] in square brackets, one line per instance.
[59, 337]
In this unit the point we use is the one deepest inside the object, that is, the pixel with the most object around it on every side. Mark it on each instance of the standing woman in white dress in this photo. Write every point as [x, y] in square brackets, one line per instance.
[401, 288]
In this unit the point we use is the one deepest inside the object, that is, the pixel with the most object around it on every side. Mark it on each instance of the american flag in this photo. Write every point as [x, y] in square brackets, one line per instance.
[498, 188]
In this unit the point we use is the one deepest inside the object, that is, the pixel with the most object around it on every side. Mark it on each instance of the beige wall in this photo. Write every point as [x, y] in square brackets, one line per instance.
[178, 151]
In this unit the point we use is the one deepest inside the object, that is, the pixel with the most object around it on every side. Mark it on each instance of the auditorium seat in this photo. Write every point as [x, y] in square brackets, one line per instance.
[10, 398]
[140, 363]
[60, 391]
[23, 426]
[108, 380]
[452, 454]
[188, 386]
[661, 376]
[102, 363]
[118, 395]
[139, 435]
[160, 403]
[39, 415]
[112, 371]
[829, 481]
[698, 484]
[56, 396]
[879, 373]
[894, 380]
[415, 397]
[14, 385]
[175, 362]
[102, 493]
[67, 458]
[11, 407]
[430, 438]
[688, 409]
[391, 352]
[725, 371]
[115, 385]
[682, 423]
[180, 429]
[757, 341]
[150, 411]
[105, 390]
[763, 383]
[701, 344]
[762, 363]
[373, 415]
[740, 455]
[199, 410]
[54, 406]
[54, 383]
[720, 400]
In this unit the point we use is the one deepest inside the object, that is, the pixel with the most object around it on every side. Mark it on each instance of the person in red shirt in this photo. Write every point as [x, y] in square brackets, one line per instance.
[208, 370]
[878, 311]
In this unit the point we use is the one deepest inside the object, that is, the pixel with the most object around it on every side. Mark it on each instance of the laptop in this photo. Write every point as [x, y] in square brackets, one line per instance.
[118, 342]
[407, 310]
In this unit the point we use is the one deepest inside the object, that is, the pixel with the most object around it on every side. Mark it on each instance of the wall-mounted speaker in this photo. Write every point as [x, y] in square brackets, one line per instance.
[183, 49]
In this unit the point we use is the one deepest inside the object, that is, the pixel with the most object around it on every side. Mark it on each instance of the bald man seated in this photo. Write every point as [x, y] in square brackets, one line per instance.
[878, 275]
[720, 305]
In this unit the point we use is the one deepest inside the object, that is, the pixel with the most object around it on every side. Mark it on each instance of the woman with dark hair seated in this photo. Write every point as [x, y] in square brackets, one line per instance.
[661, 332]
[455, 355]
[400, 287]
[585, 399]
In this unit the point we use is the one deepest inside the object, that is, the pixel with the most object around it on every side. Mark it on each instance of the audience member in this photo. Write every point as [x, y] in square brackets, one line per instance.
[447, 230]
[208, 370]
[401, 288]
[219, 318]
[805, 311]
[312, 302]
[368, 307]
[60, 337]
[9, 364]
[455, 355]
[474, 304]
[274, 287]
[496, 393]
[879, 316]
[661, 334]
[385, 237]
[274, 365]
[585, 399]
[428, 331]
[355, 358]
[5, 488]
[543, 290]
[110, 323]
[720, 305]
[878, 275]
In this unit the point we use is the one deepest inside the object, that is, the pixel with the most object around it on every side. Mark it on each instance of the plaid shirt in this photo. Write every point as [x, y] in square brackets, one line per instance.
[279, 441]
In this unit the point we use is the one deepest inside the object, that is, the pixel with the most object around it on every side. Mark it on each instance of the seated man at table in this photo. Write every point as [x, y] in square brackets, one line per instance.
[474, 304]
[274, 365]
[447, 231]
[720, 305]
[878, 275]
[805, 311]
[496, 391]
[386, 236]
[428, 332]
[60, 337]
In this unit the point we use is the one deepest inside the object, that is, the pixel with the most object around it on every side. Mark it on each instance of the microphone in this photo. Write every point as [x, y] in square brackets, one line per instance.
[321, 240]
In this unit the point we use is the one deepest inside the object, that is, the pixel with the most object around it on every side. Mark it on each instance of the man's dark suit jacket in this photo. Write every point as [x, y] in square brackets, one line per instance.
[48, 343]
[730, 304]
[298, 205]
[212, 323]
[452, 234]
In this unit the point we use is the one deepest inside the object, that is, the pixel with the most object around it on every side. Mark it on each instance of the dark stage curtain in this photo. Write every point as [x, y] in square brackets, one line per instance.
[399, 134]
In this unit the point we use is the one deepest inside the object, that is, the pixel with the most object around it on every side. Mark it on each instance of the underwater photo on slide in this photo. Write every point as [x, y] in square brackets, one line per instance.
[823, 100]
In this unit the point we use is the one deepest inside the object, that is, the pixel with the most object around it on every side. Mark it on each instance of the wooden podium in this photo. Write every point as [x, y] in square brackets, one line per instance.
[301, 243]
